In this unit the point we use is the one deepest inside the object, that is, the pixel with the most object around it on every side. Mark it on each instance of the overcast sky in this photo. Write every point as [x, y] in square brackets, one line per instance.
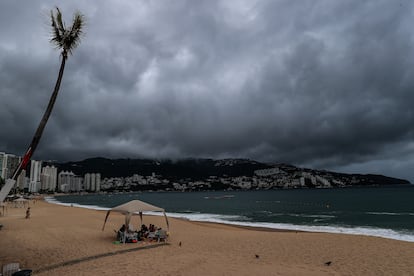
[319, 84]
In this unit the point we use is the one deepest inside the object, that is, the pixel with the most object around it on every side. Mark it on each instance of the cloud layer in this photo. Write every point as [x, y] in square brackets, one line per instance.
[325, 84]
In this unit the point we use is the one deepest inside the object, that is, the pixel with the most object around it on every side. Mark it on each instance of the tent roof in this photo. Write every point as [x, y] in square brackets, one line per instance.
[136, 206]
[20, 199]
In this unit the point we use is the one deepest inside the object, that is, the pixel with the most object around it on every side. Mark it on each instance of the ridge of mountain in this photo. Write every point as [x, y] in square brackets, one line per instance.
[198, 169]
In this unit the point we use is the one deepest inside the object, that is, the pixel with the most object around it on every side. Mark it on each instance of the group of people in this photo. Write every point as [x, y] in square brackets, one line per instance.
[145, 231]
[149, 233]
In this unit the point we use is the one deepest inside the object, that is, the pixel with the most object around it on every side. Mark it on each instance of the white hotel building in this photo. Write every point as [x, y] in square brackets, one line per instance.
[35, 170]
[92, 182]
[48, 179]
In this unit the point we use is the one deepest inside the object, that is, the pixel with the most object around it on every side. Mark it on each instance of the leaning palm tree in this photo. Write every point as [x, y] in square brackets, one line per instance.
[65, 39]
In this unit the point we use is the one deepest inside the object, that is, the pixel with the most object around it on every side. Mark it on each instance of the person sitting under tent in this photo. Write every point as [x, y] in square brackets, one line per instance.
[144, 228]
[126, 235]
[143, 233]
[121, 232]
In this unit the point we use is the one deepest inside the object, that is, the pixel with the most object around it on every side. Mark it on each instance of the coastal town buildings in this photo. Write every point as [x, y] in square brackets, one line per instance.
[267, 172]
[277, 176]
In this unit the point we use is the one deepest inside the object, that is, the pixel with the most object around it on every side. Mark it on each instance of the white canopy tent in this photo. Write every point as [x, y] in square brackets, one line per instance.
[135, 207]
[20, 202]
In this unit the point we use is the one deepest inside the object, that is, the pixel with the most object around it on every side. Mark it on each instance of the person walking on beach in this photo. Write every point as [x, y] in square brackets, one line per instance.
[28, 213]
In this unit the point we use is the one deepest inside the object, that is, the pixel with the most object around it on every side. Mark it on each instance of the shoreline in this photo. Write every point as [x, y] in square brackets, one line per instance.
[255, 228]
[68, 240]
[277, 227]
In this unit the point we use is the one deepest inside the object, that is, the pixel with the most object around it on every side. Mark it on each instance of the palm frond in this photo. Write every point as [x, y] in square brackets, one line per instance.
[64, 38]
[61, 24]
[56, 35]
[76, 31]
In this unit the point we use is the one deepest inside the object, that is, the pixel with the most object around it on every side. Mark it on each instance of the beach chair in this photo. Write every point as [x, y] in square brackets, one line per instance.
[162, 235]
[9, 269]
[151, 236]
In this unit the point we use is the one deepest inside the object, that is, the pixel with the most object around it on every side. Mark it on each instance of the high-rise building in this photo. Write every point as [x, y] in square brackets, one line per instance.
[64, 179]
[9, 164]
[69, 182]
[97, 182]
[76, 184]
[87, 182]
[35, 171]
[92, 182]
[49, 179]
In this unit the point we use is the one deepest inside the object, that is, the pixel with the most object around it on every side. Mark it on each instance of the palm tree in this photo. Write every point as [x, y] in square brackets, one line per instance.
[65, 39]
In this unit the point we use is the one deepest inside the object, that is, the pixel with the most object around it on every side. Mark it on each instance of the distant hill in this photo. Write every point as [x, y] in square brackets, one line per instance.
[197, 169]
[185, 168]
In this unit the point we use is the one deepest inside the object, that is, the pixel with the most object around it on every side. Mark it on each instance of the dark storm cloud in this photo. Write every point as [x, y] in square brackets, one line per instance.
[326, 84]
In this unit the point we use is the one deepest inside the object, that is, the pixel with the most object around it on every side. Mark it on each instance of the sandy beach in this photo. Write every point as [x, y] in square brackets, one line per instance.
[59, 240]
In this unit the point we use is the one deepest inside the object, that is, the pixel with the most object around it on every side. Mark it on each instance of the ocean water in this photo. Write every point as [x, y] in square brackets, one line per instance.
[378, 211]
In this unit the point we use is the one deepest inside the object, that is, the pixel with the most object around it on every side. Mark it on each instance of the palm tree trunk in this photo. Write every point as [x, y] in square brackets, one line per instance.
[36, 138]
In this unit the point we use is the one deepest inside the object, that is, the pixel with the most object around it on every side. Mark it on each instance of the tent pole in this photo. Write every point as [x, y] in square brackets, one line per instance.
[166, 220]
[106, 218]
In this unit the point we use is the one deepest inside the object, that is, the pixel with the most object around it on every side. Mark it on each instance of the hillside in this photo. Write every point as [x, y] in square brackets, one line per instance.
[186, 168]
[199, 169]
